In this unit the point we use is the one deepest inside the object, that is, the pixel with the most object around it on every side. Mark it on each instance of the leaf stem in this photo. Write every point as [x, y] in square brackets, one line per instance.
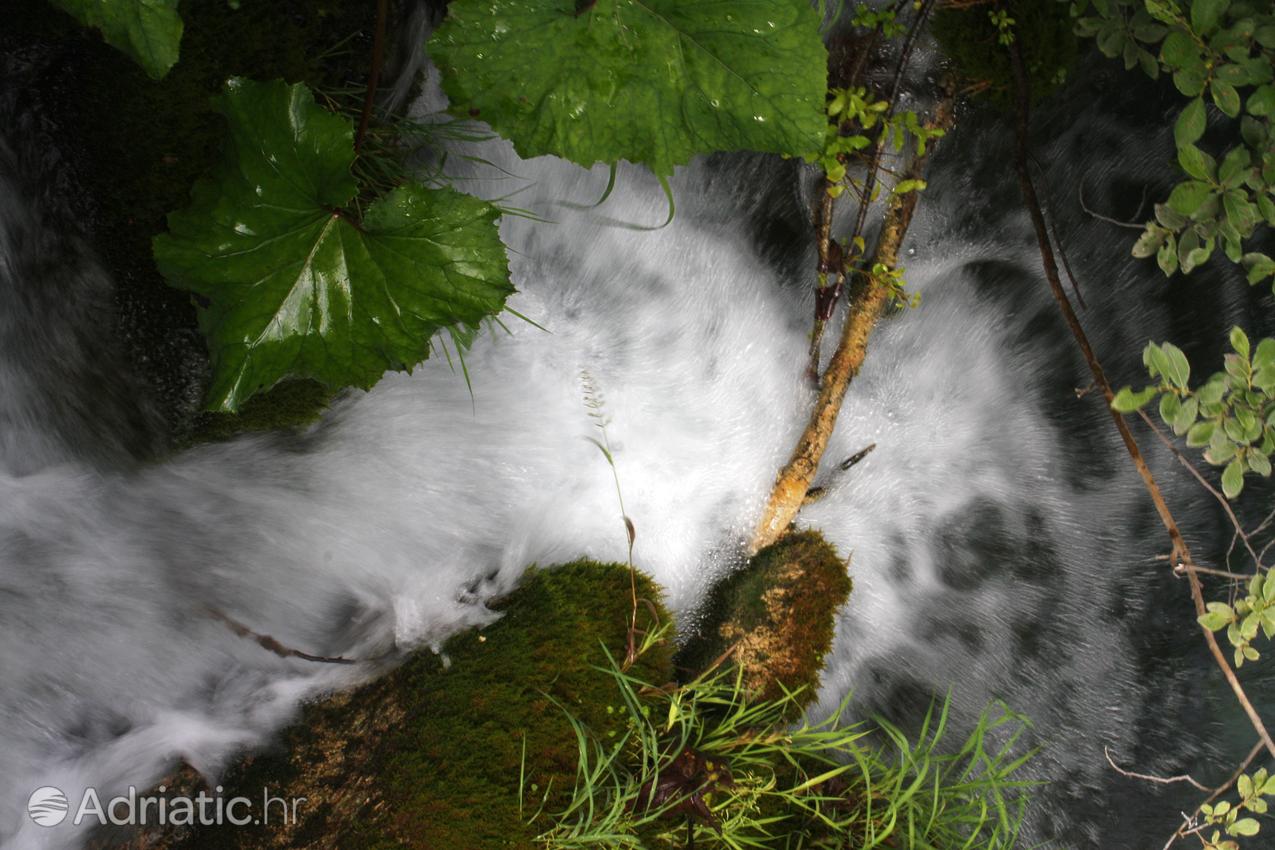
[374, 76]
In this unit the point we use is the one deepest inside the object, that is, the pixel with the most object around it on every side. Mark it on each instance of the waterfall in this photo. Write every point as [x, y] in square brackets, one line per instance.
[1001, 544]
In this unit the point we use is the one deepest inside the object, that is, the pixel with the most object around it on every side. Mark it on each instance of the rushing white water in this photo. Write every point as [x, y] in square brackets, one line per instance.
[1000, 543]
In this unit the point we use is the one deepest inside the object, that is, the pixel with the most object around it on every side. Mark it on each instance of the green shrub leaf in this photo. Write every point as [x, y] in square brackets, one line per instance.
[1196, 162]
[1205, 14]
[1225, 97]
[298, 285]
[1178, 369]
[1244, 826]
[1189, 127]
[148, 31]
[1128, 401]
[648, 81]
[1233, 478]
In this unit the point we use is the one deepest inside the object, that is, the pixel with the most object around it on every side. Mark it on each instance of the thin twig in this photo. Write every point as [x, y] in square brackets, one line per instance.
[1163, 780]
[268, 643]
[857, 456]
[1080, 193]
[1181, 552]
[1181, 569]
[1058, 244]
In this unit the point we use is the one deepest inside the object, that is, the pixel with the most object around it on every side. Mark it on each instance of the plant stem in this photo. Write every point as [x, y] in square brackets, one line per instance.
[1181, 552]
[867, 302]
[832, 268]
[374, 76]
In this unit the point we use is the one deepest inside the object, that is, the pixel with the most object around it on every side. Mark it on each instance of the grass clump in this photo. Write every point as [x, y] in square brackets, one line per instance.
[709, 766]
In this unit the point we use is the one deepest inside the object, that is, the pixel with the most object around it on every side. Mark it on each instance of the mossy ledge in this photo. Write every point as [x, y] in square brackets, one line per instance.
[428, 757]
[776, 614]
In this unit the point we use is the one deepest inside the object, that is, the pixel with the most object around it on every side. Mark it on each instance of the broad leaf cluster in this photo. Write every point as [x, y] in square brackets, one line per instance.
[149, 31]
[298, 282]
[649, 81]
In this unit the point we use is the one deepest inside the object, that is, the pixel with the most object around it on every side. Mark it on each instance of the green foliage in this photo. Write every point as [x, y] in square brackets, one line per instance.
[894, 280]
[1252, 788]
[149, 31]
[707, 765]
[303, 285]
[1004, 26]
[653, 82]
[852, 113]
[1252, 613]
[1231, 415]
[885, 19]
[1224, 50]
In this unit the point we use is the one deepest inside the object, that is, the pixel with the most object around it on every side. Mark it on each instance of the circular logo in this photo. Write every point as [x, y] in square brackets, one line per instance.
[47, 806]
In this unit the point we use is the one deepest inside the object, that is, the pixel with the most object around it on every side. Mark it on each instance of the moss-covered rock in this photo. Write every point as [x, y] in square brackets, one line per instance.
[429, 756]
[777, 615]
[288, 406]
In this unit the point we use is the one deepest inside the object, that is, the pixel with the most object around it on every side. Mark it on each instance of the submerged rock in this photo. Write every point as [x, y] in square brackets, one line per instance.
[432, 755]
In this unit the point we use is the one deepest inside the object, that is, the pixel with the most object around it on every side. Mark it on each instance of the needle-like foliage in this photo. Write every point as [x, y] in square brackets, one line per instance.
[704, 765]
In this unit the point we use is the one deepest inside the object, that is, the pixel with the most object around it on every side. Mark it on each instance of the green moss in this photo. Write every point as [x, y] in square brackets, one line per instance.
[429, 755]
[289, 406]
[778, 613]
[1043, 29]
[139, 144]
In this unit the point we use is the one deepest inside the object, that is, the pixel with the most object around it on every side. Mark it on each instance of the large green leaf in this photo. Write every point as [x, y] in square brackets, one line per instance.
[299, 285]
[150, 31]
[648, 81]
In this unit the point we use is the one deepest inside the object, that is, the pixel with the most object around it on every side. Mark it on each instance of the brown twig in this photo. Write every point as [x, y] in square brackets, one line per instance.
[374, 76]
[268, 643]
[1181, 569]
[1080, 194]
[869, 181]
[1162, 780]
[1181, 552]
